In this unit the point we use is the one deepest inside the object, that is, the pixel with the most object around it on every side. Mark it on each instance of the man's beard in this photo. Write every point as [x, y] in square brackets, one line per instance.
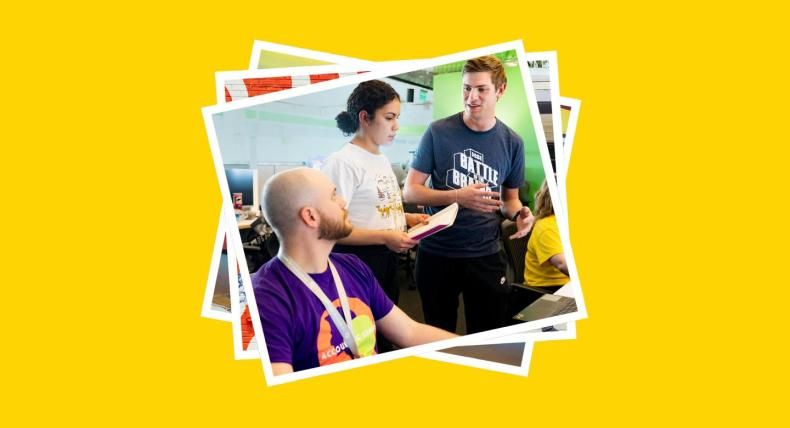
[333, 230]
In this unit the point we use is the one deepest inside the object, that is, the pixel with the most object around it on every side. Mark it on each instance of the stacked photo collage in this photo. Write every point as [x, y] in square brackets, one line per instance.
[280, 115]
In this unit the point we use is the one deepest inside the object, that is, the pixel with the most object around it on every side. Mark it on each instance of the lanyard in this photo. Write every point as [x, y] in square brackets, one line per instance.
[343, 326]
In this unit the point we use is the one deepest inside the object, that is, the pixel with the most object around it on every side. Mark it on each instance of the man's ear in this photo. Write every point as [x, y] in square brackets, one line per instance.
[501, 91]
[309, 216]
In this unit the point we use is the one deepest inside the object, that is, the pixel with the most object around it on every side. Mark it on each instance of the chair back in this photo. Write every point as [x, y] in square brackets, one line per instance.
[516, 251]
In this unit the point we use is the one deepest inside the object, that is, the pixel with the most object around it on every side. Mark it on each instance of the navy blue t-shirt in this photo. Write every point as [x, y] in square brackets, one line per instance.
[455, 156]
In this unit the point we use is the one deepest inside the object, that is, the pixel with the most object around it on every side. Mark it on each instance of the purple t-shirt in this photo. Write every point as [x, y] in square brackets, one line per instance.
[297, 328]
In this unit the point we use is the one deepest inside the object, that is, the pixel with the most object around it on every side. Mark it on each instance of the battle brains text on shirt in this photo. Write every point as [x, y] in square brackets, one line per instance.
[469, 168]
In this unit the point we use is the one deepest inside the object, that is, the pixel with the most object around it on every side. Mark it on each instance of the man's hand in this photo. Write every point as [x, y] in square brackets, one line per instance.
[474, 197]
[398, 242]
[415, 219]
[524, 223]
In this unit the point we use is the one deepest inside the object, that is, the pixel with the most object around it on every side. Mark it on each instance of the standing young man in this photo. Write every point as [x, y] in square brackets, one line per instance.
[476, 160]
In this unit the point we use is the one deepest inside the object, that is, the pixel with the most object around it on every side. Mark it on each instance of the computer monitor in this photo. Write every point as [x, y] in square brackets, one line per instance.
[244, 181]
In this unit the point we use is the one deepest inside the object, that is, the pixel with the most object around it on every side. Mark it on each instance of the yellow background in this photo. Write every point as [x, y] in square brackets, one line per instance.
[676, 194]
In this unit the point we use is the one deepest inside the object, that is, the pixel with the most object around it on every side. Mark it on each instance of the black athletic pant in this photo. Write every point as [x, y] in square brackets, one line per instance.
[480, 279]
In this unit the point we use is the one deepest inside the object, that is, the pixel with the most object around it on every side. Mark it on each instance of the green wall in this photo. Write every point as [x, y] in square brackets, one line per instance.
[512, 109]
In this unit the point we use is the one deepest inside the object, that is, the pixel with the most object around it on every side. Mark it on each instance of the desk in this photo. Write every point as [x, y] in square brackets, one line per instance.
[565, 291]
[245, 224]
[503, 353]
[548, 305]
[221, 298]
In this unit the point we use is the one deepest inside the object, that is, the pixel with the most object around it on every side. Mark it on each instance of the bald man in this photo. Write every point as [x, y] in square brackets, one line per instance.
[318, 308]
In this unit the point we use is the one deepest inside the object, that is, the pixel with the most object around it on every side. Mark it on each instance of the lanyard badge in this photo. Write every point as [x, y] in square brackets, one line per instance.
[344, 326]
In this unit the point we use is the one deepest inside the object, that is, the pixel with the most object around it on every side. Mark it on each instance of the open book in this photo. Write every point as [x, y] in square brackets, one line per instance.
[437, 222]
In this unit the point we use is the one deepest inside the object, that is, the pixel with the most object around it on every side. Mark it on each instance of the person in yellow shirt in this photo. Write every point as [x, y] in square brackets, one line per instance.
[545, 264]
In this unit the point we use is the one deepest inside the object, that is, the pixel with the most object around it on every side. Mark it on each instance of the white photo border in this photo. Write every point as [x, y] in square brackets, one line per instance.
[222, 77]
[235, 240]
